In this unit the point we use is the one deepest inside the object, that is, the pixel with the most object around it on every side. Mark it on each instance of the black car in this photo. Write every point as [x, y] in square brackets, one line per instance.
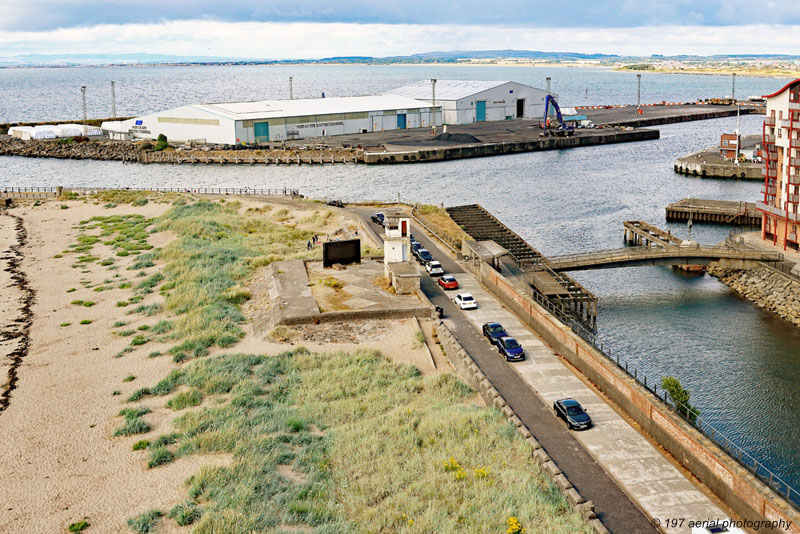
[510, 349]
[572, 413]
[494, 331]
[424, 256]
[415, 247]
[378, 218]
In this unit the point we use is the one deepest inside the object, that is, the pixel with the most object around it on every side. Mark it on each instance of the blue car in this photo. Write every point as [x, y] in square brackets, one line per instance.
[494, 331]
[509, 348]
[572, 413]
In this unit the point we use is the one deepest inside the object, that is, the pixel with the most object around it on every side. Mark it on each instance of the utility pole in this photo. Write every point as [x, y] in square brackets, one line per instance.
[83, 101]
[547, 81]
[738, 137]
[113, 102]
[433, 105]
[638, 93]
[291, 91]
[733, 87]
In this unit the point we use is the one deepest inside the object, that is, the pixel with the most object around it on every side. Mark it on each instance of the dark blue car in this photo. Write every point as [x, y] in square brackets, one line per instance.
[572, 413]
[494, 331]
[509, 348]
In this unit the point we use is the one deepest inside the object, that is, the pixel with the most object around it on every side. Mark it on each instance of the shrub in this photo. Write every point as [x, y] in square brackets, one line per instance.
[141, 445]
[86, 321]
[139, 340]
[133, 413]
[160, 456]
[78, 526]
[146, 522]
[185, 513]
[132, 426]
[129, 378]
[119, 324]
[680, 397]
[166, 439]
[65, 324]
[184, 399]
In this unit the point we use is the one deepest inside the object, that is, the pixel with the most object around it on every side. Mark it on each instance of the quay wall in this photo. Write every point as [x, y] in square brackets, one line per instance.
[765, 287]
[672, 119]
[736, 487]
[495, 149]
[718, 169]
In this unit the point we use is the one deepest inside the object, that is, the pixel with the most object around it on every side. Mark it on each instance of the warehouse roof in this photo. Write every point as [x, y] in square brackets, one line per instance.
[271, 109]
[447, 89]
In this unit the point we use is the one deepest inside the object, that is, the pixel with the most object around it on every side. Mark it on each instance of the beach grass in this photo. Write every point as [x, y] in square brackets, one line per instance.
[372, 451]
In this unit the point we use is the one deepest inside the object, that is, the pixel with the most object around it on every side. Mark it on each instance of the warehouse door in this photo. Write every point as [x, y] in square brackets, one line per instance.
[520, 108]
[401, 121]
[480, 111]
[261, 132]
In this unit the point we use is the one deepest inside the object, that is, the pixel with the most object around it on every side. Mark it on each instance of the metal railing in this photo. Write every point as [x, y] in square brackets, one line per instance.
[437, 236]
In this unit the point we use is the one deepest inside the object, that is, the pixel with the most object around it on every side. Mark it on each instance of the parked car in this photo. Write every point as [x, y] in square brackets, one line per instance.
[415, 247]
[720, 527]
[448, 281]
[572, 413]
[494, 331]
[465, 301]
[378, 218]
[424, 256]
[510, 349]
[434, 268]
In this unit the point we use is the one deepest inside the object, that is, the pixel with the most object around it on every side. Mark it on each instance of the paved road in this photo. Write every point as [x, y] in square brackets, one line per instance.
[612, 506]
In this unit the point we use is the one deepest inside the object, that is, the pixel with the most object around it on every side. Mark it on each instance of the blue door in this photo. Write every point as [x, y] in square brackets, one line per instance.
[480, 111]
[261, 132]
[401, 121]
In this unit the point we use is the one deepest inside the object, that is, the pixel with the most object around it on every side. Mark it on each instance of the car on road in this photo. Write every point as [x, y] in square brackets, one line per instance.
[424, 255]
[378, 218]
[510, 349]
[465, 301]
[434, 268]
[448, 281]
[494, 331]
[415, 247]
[723, 526]
[572, 413]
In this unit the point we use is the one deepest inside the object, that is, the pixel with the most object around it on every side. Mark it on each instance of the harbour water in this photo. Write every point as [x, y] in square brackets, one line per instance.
[741, 364]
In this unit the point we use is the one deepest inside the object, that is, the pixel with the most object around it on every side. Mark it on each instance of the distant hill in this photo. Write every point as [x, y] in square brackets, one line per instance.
[66, 60]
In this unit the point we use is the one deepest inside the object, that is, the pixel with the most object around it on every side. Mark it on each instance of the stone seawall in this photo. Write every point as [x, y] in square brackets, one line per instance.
[766, 288]
[99, 150]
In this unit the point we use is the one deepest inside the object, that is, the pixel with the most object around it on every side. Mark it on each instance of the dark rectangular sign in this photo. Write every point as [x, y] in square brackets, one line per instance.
[344, 252]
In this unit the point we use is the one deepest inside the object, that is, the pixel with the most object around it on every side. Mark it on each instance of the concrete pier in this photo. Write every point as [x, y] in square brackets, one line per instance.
[714, 211]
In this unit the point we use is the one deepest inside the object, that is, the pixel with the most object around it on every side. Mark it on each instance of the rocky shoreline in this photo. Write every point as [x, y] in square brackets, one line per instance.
[766, 288]
[103, 150]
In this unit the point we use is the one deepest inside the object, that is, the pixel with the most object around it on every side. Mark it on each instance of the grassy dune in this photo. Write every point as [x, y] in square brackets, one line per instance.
[325, 443]
[353, 443]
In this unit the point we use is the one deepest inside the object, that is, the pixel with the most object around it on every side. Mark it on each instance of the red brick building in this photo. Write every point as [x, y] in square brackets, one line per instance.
[781, 153]
[729, 146]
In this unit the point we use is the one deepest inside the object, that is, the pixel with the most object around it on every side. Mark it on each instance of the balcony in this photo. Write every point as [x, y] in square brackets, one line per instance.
[772, 210]
[793, 199]
[794, 162]
[772, 174]
[770, 190]
[769, 121]
[793, 179]
[769, 139]
[794, 105]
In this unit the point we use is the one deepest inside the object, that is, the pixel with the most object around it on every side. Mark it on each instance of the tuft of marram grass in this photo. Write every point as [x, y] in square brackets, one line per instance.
[146, 522]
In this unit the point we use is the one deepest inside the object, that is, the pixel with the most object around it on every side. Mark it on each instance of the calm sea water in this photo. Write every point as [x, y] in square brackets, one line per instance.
[741, 364]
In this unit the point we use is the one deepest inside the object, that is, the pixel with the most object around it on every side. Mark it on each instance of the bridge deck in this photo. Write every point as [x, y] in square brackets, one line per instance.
[714, 211]
[670, 255]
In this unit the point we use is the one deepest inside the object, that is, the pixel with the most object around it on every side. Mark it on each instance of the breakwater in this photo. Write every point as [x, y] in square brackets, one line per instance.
[126, 151]
[766, 288]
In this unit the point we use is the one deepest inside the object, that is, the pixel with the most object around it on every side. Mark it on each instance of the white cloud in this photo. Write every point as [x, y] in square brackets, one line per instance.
[314, 40]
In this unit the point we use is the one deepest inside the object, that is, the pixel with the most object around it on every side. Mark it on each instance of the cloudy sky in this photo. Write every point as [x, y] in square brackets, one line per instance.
[308, 29]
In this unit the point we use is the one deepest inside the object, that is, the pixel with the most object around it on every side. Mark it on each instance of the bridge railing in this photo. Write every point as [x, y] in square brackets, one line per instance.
[725, 250]
[285, 191]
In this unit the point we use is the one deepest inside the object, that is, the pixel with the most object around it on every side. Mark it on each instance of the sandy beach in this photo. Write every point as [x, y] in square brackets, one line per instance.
[61, 463]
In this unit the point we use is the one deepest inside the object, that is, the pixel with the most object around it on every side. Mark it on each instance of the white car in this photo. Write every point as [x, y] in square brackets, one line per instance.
[465, 301]
[434, 268]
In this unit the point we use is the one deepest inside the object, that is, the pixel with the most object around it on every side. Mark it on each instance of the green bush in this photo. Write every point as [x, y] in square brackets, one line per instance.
[132, 426]
[141, 445]
[160, 456]
[78, 526]
[146, 522]
[184, 399]
[185, 513]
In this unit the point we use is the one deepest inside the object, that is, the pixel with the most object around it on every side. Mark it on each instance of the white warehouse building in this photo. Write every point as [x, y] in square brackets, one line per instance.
[468, 101]
[279, 120]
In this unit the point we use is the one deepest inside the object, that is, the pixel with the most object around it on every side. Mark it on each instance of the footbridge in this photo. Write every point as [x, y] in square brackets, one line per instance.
[721, 255]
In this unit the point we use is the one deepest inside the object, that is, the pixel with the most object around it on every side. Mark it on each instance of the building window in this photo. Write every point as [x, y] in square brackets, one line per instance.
[780, 115]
